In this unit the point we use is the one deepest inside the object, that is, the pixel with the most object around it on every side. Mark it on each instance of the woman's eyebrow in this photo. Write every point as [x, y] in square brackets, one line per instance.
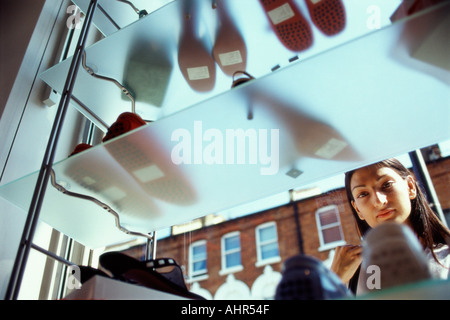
[363, 185]
[381, 177]
[359, 186]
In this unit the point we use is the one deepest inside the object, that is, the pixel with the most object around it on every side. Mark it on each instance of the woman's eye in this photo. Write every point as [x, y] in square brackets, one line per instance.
[362, 195]
[387, 185]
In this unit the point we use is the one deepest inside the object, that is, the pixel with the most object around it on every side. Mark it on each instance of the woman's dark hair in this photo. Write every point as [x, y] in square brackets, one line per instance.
[424, 221]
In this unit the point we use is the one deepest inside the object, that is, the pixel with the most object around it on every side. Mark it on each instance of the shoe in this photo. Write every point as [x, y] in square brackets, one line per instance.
[86, 273]
[126, 122]
[195, 61]
[392, 250]
[238, 81]
[162, 274]
[290, 26]
[80, 148]
[327, 15]
[307, 278]
[229, 51]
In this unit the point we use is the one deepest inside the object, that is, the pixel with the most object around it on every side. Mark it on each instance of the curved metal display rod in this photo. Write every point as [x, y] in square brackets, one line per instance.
[101, 204]
[117, 83]
[141, 13]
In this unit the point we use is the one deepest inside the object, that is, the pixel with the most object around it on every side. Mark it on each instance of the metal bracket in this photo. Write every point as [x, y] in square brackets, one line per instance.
[101, 204]
[117, 83]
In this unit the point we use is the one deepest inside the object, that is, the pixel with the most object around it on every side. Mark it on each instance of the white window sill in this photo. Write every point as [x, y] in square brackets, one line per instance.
[267, 261]
[231, 270]
[331, 245]
[197, 278]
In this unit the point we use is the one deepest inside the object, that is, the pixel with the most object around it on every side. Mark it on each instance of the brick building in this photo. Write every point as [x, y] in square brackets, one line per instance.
[243, 257]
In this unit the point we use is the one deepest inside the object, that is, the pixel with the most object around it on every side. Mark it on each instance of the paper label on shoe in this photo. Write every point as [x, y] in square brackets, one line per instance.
[230, 58]
[114, 194]
[331, 148]
[88, 180]
[198, 73]
[149, 173]
[280, 14]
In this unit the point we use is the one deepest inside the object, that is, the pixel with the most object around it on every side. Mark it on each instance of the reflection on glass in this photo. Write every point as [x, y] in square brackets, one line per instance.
[267, 234]
[269, 251]
[233, 259]
[232, 243]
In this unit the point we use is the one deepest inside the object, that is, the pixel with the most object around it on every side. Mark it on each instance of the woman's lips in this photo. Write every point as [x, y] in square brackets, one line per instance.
[385, 214]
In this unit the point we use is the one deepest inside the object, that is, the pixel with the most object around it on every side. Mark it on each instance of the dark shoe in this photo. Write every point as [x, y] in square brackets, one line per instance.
[306, 278]
[161, 274]
[87, 273]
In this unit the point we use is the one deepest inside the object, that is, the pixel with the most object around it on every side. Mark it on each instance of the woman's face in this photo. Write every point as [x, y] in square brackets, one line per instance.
[381, 195]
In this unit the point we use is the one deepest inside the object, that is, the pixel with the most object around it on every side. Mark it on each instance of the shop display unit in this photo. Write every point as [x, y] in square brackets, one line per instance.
[371, 90]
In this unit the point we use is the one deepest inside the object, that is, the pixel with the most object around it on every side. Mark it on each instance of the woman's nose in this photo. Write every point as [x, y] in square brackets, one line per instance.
[380, 198]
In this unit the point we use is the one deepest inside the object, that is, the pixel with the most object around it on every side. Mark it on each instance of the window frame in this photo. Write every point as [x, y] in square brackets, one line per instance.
[320, 228]
[203, 273]
[260, 261]
[224, 268]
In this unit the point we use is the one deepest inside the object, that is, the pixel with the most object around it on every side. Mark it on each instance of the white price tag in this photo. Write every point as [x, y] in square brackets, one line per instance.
[198, 73]
[230, 58]
[280, 14]
[331, 148]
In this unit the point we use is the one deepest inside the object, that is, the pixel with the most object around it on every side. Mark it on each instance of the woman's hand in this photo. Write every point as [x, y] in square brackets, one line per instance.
[346, 261]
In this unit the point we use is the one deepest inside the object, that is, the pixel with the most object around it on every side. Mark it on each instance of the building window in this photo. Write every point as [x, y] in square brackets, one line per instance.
[231, 253]
[267, 244]
[329, 227]
[198, 256]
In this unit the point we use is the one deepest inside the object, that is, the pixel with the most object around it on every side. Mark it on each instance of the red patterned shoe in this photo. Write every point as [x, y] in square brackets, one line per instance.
[289, 24]
[327, 15]
[126, 122]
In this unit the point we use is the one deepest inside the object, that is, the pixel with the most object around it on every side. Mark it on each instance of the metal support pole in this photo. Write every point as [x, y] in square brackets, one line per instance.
[421, 172]
[52, 255]
[47, 162]
[150, 252]
[297, 222]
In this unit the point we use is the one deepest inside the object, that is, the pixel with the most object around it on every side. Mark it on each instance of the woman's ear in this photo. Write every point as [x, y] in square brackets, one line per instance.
[412, 187]
[356, 209]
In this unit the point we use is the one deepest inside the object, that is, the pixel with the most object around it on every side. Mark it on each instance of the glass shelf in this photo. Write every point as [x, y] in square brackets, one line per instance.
[150, 56]
[348, 106]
